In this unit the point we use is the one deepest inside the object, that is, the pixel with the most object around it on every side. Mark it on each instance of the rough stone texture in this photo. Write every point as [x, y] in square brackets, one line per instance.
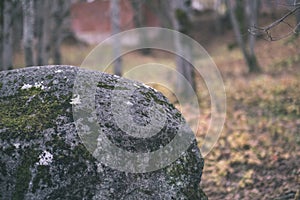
[42, 156]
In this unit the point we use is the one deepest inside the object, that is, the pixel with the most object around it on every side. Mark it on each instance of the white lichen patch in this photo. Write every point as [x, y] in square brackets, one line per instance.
[129, 103]
[45, 158]
[26, 86]
[39, 85]
[76, 100]
[36, 85]
[16, 145]
[58, 71]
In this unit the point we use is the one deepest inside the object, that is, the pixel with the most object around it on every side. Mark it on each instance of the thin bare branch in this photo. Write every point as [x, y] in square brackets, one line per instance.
[266, 30]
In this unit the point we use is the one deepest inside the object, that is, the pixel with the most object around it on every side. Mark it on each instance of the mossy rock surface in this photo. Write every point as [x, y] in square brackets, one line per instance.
[42, 156]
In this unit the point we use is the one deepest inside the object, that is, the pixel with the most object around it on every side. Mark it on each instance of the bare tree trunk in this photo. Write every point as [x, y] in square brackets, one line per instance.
[28, 26]
[219, 25]
[236, 29]
[162, 10]
[58, 9]
[17, 27]
[181, 23]
[61, 23]
[7, 51]
[253, 7]
[115, 27]
[1, 34]
[56, 53]
[297, 15]
[138, 20]
[251, 60]
[43, 9]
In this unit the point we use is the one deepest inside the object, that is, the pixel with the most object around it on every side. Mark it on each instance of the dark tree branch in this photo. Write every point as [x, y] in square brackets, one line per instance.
[266, 30]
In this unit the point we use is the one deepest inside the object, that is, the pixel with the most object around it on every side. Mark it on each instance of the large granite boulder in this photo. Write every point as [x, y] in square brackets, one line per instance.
[42, 155]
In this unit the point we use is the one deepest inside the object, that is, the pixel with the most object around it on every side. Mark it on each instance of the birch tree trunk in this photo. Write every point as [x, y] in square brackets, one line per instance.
[7, 51]
[115, 27]
[28, 27]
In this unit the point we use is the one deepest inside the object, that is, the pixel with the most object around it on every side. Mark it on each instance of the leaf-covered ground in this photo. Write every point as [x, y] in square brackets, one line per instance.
[258, 153]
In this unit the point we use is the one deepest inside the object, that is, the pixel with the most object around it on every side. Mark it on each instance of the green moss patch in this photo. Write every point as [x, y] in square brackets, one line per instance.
[30, 111]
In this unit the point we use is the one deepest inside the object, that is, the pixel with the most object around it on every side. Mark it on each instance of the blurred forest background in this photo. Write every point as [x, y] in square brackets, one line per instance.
[254, 43]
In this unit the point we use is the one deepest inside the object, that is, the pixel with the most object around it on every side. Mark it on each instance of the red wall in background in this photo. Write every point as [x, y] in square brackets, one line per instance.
[94, 17]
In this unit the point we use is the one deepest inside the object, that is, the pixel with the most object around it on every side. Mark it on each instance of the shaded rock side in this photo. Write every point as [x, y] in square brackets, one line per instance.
[43, 157]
